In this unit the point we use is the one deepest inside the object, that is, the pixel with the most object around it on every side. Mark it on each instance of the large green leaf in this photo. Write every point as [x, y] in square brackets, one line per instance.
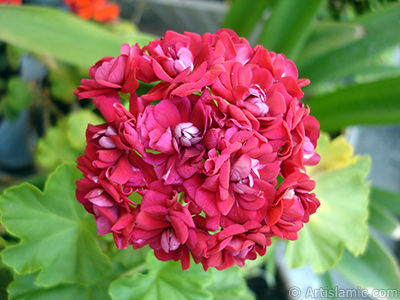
[24, 288]
[243, 17]
[341, 220]
[376, 269]
[164, 279]
[367, 103]
[57, 234]
[127, 261]
[229, 284]
[382, 31]
[61, 34]
[289, 25]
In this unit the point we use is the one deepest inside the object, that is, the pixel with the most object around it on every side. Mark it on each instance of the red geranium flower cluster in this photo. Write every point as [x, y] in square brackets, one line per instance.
[98, 10]
[11, 2]
[208, 163]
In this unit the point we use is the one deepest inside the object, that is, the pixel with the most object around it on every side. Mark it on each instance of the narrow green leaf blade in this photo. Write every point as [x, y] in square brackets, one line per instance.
[387, 199]
[376, 269]
[382, 31]
[58, 33]
[289, 26]
[326, 282]
[57, 234]
[367, 103]
[341, 220]
[383, 220]
[326, 36]
[163, 279]
[243, 16]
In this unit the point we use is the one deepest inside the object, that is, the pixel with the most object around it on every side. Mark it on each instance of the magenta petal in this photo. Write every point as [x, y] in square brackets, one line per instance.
[153, 198]
[252, 205]
[152, 218]
[186, 218]
[180, 228]
[241, 168]
[102, 201]
[118, 70]
[167, 114]
[225, 206]
[105, 104]
[231, 231]
[122, 222]
[224, 175]
[192, 184]
[160, 72]
[164, 144]
[109, 156]
[147, 235]
[206, 201]
[123, 171]
[103, 225]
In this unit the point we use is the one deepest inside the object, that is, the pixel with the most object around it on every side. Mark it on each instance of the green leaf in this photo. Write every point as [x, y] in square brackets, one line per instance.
[329, 36]
[289, 26]
[376, 269]
[367, 103]
[77, 123]
[24, 288]
[6, 277]
[229, 284]
[243, 17]
[17, 99]
[60, 34]
[128, 261]
[2, 242]
[66, 141]
[383, 220]
[57, 234]
[387, 199]
[326, 282]
[341, 220]
[63, 81]
[377, 38]
[14, 55]
[163, 279]
[54, 148]
[270, 263]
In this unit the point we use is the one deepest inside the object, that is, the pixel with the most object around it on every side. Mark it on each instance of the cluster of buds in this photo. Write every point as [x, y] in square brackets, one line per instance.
[210, 163]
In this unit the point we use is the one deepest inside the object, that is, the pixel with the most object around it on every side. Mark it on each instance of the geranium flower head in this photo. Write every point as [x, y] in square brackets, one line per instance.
[216, 150]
